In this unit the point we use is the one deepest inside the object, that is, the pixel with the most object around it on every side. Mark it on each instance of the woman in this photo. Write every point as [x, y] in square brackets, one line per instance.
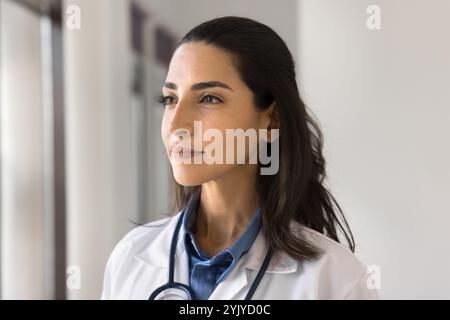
[239, 232]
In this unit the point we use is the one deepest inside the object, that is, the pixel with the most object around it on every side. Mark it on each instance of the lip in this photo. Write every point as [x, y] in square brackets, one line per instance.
[181, 152]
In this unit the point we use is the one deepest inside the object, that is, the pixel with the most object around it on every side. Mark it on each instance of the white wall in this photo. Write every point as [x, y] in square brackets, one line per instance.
[383, 100]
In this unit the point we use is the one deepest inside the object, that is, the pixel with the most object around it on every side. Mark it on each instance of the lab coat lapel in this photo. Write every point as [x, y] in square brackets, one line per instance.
[238, 279]
[181, 262]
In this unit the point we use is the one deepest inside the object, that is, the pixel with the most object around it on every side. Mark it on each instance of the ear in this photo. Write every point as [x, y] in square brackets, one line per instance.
[274, 117]
[271, 121]
[270, 118]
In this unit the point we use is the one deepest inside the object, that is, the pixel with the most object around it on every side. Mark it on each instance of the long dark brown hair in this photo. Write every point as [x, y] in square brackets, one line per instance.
[296, 191]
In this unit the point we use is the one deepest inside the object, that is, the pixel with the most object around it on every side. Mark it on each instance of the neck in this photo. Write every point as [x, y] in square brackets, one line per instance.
[227, 206]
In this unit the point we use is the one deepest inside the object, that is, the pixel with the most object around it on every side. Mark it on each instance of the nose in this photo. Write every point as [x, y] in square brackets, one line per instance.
[181, 122]
[179, 135]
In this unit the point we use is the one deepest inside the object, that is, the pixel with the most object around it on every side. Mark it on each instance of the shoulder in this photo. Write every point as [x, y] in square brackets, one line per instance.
[136, 243]
[333, 252]
[338, 271]
[148, 230]
[139, 239]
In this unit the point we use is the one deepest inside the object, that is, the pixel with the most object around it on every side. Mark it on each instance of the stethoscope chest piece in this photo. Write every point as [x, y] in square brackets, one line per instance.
[174, 291]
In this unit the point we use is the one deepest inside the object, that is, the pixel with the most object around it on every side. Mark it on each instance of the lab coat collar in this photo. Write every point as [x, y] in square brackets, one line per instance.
[280, 262]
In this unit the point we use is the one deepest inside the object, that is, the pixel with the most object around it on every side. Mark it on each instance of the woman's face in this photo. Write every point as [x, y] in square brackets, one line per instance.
[203, 85]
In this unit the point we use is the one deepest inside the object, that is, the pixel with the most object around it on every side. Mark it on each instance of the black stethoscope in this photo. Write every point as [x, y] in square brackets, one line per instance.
[179, 291]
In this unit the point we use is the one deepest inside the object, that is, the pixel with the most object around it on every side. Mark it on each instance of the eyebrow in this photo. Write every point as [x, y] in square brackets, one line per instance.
[200, 85]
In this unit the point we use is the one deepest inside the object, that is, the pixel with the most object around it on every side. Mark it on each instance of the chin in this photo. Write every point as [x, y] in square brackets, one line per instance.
[190, 175]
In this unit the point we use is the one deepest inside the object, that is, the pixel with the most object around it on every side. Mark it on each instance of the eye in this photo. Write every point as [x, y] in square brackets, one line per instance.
[165, 100]
[210, 99]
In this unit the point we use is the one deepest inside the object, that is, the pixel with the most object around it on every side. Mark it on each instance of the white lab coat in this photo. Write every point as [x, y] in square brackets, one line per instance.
[139, 264]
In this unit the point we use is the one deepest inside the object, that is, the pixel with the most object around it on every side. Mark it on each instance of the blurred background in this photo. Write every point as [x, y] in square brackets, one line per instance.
[82, 160]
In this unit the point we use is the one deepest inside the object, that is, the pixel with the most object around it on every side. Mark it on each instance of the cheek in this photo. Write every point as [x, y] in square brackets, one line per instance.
[241, 117]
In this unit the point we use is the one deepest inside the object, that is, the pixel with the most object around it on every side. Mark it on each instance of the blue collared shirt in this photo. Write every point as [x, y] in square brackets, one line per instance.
[207, 272]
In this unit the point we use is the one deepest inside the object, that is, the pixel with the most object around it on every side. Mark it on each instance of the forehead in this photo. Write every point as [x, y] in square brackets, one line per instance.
[195, 62]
